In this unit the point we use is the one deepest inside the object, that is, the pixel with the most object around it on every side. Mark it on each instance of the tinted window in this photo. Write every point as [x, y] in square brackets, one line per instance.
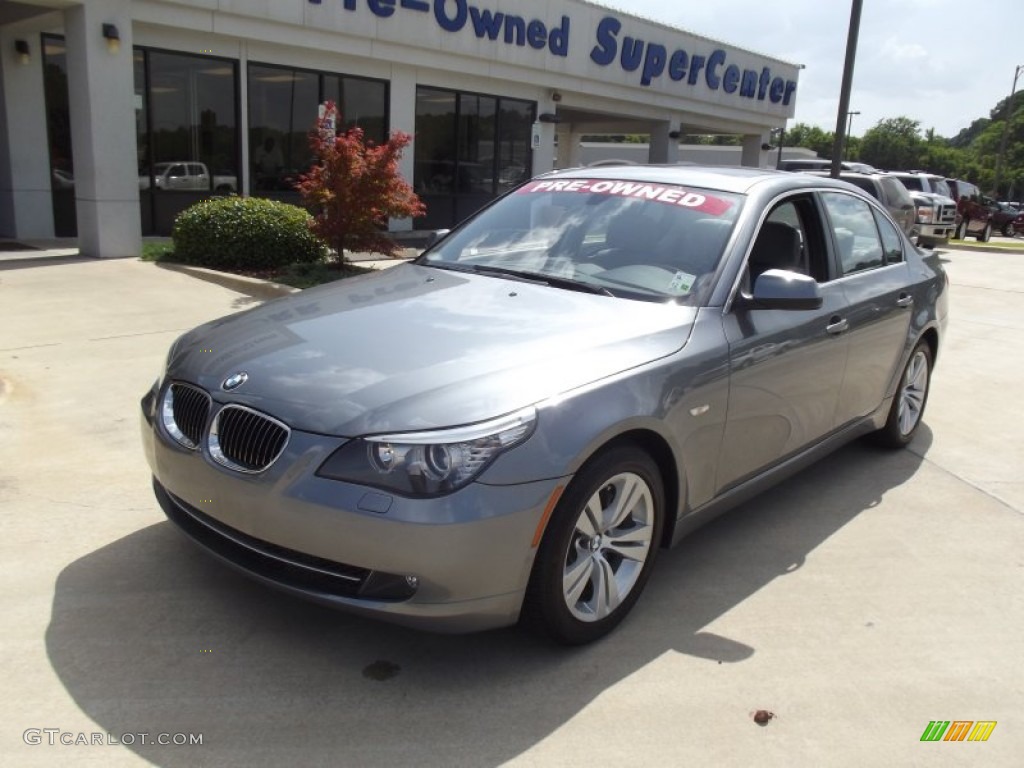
[911, 182]
[892, 243]
[856, 234]
[192, 112]
[896, 192]
[866, 184]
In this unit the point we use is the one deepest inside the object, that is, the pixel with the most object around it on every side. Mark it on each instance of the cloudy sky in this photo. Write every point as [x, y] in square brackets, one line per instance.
[941, 62]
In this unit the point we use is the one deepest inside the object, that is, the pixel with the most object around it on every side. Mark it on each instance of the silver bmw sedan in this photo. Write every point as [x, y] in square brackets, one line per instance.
[512, 426]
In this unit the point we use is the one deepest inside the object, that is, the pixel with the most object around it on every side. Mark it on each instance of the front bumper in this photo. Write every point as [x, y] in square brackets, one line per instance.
[934, 234]
[352, 547]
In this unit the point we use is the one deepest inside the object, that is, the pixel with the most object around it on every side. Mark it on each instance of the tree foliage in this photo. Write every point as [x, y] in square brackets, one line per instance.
[354, 187]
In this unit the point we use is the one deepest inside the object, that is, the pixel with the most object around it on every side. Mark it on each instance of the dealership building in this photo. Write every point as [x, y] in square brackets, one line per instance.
[115, 115]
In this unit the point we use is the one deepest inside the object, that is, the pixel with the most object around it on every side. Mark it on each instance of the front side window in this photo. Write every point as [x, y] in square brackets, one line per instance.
[629, 239]
[856, 234]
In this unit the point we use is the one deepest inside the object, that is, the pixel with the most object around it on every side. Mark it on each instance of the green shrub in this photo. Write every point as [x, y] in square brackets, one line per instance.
[245, 233]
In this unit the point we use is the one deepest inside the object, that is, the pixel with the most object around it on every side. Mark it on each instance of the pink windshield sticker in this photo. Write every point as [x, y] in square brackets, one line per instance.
[668, 194]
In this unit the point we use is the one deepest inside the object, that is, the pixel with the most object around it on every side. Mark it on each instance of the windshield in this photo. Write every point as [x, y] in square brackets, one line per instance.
[635, 240]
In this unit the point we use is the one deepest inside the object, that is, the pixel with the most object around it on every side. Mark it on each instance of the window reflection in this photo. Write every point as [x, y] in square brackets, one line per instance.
[283, 107]
[469, 148]
[193, 142]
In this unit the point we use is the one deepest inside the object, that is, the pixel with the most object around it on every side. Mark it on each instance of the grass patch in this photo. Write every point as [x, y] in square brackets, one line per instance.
[311, 274]
[304, 275]
[157, 252]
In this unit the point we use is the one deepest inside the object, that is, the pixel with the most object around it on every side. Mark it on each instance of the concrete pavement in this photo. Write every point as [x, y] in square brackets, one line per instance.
[859, 601]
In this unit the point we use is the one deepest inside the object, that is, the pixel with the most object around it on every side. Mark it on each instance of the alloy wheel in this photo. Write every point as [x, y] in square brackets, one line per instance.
[609, 545]
[913, 392]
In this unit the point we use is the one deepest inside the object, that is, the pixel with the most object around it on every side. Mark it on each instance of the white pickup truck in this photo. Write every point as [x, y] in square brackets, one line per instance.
[190, 176]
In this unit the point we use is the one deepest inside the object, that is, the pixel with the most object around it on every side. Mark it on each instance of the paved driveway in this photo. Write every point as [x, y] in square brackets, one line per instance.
[872, 594]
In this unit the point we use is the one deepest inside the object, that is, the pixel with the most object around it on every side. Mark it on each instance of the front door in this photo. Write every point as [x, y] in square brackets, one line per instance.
[786, 366]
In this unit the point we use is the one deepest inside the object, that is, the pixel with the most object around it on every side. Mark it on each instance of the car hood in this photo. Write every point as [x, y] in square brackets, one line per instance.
[930, 198]
[415, 347]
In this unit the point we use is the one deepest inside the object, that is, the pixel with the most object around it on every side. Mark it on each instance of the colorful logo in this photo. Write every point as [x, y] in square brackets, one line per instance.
[958, 730]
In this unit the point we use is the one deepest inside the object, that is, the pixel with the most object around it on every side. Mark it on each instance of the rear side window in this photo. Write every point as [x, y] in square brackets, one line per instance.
[911, 182]
[856, 234]
[896, 192]
[892, 243]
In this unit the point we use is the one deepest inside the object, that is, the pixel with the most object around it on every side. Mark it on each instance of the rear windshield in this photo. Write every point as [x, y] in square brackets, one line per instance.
[635, 240]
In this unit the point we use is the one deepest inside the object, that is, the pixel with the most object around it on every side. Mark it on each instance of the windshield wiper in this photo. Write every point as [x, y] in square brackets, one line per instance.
[542, 278]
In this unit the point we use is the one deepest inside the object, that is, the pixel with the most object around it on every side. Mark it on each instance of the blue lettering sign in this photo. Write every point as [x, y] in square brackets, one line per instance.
[536, 34]
[651, 59]
[485, 23]
[516, 25]
[382, 8]
[451, 23]
[604, 52]
[711, 76]
[731, 81]
[677, 65]
[654, 63]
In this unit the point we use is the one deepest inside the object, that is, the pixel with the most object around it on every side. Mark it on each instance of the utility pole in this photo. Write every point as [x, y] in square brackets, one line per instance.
[844, 93]
[1006, 130]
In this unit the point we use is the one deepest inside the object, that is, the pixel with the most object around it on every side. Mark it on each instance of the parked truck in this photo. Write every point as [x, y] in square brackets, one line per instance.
[936, 209]
[188, 176]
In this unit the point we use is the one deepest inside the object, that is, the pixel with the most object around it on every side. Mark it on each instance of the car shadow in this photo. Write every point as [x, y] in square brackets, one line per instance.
[150, 635]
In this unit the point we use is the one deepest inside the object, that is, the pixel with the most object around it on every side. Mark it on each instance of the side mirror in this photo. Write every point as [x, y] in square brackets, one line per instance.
[782, 289]
[437, 236]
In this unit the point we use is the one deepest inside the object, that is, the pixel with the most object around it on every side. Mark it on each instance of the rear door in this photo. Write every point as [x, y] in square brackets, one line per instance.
[785, 366]
[874, 278]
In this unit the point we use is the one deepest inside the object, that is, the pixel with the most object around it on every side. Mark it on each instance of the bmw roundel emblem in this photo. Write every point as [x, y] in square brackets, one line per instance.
[234, 381]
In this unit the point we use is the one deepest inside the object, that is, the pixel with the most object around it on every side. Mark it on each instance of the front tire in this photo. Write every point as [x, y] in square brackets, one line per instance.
[1008, 230]
[598, 549]
[908, 404]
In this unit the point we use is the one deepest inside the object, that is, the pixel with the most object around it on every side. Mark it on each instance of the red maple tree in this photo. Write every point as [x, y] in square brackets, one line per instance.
[354, 187]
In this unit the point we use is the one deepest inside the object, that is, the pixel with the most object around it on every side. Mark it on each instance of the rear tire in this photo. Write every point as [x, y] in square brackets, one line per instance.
[1008, 230]
[986, 233]
[908, 404]
[598, 549]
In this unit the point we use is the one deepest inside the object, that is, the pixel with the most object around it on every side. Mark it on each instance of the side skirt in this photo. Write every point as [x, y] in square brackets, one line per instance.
[785, 469]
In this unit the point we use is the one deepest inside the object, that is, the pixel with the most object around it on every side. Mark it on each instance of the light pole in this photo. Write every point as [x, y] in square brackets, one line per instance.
[849, 128]
[844, 89]
[1006, 130]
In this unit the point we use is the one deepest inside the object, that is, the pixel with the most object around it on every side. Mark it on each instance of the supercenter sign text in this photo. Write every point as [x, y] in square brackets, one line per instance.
[650, 60]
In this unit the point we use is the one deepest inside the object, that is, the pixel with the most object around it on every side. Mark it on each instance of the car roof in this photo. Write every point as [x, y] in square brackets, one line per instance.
[740, 180]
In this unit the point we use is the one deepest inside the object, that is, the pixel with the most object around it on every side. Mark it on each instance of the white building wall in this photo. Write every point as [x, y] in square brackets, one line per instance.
[577, 52]
[26, 210]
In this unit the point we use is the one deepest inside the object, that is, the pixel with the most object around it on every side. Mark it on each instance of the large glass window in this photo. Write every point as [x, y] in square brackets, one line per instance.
[187, 117]
[469, 148]
[58, 128]
[283, 108]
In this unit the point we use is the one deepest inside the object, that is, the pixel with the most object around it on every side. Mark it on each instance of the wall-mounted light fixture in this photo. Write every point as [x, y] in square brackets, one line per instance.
[674, 134]
[549, 117]
[113, 38]
[24, 52]
[556, 96]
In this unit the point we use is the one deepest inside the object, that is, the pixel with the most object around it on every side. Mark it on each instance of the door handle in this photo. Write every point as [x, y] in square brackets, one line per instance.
[905, 300]
[837, 325]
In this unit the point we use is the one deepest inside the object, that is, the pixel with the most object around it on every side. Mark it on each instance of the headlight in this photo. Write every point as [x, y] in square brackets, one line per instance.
[428, 463]
[924, 214]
